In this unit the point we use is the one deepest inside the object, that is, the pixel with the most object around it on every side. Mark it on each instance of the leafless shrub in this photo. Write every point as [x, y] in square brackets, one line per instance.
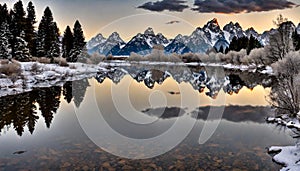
[285, 96]
[95, 59]
[4, 61]
[61, 62]
[11, 68]
[42, 60]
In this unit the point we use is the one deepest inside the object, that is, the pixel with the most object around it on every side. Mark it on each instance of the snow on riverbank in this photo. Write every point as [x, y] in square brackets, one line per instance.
[285, 120]
[249, 68]
[288, 156]
[35, 74]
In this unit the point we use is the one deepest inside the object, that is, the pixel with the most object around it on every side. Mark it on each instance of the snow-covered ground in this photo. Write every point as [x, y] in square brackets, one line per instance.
[35, 74]
[250, 68]
[285, 120]
[288, 156]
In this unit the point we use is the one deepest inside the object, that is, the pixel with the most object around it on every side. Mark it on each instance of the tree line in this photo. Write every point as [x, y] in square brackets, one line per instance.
[20, 40]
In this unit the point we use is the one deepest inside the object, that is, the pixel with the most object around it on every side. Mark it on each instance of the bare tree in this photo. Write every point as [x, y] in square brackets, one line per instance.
[285, 95]
[281, 42]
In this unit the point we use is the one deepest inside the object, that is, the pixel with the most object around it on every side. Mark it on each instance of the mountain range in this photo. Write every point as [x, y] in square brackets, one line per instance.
[200, 41]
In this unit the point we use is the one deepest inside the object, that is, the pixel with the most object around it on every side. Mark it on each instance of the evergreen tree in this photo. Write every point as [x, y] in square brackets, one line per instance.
[296, 40]
[21, 50]
[67, 43]
[19, 18]
[48, 36]
[252, 44]
[55, 43]
[4, 15]
[240, 43]
[29, 29]
[5, 49]
[79, 42]
[221, 50]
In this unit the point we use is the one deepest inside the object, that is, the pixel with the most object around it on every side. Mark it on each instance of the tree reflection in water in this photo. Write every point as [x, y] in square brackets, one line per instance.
[20, 111]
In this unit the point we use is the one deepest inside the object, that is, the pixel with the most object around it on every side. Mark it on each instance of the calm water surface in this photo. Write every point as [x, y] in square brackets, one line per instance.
[46, 128]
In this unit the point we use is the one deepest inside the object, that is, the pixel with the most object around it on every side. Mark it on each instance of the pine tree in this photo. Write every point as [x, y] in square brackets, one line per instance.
[19, 18]
[48, 36]
[29, 29]
[5, 49]
[79, 42]
[221, 50]
[252, 44]
[21, 50]
[4, 15]
[67, 43]
[296, 40]
[55, 44]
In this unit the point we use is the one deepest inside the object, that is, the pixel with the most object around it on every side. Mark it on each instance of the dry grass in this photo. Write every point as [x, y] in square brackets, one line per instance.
[4, 61]
[10, 69]
[61, 62]
[42, 60]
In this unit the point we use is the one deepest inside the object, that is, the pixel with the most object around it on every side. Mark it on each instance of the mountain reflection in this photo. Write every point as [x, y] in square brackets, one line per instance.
[20, 111]
[24, 110]
[214, 79]
[235, 113]
[165, 113]
[231, 113]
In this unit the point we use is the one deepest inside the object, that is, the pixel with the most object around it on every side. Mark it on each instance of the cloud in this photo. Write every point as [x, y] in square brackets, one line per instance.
[239, 6]
[173, 22]
[170, 5]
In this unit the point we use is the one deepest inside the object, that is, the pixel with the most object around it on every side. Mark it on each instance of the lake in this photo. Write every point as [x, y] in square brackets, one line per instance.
[143, 117]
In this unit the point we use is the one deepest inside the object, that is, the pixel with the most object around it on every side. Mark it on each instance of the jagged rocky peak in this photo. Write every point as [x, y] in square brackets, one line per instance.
[213, 25]
[232, 26]
[115, 37]
[149, 31]
[251, 31]
[178, 37]
[98, 37]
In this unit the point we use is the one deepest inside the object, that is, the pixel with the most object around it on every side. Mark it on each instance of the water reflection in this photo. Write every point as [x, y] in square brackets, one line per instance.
[20, 111]
[238, 143]
[213, 78]
[236, 114]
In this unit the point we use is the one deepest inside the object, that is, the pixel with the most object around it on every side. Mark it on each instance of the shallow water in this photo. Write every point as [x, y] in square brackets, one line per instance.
[164, 109]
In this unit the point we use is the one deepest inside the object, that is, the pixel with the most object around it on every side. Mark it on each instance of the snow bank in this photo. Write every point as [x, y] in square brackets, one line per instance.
[288, 156]
[45, 75]
[250, 68]
[285, 120]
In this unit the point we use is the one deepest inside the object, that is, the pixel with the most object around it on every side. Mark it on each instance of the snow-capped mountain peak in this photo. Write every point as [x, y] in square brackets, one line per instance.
[95, 41]
[251, 31]
[213, 26]
[115, 37]
[149, 31]
[234, 30]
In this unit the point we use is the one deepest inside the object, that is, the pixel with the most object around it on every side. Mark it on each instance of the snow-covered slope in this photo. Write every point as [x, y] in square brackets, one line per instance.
[101, 45]
[178, 45]
[143, 43]
[95, 41]
[235, 30]
[201, 40]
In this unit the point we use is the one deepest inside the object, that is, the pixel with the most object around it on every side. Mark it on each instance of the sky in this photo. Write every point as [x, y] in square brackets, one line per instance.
[170, 17]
